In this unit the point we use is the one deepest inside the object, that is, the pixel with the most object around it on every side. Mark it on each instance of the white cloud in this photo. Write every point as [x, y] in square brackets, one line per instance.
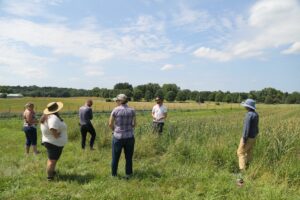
[204, 52]
[15, 61]
[145, 23]
[86, 44]
[294, 49]
[194, 20]
[93, 71]
[168, 67]
[270, 25]
[29, 8]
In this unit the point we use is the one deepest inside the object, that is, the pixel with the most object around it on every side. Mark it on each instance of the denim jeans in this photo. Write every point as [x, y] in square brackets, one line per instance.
[117, 146]
[31, 135]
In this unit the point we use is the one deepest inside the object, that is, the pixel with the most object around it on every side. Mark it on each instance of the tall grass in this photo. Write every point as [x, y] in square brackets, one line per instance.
[195, 158]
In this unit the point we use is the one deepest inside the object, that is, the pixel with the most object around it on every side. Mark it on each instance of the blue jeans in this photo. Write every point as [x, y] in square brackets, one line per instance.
[117, 145]
[31, 135]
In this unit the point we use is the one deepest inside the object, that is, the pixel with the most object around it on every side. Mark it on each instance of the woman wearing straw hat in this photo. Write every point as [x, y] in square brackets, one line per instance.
[250, 132]
[29, 128]
[54, 131]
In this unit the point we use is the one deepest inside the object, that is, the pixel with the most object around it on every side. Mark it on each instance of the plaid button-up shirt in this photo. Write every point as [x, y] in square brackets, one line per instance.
[123, 126]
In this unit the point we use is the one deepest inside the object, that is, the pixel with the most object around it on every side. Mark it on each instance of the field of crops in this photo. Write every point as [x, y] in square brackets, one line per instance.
[195, 158]
[73, 104]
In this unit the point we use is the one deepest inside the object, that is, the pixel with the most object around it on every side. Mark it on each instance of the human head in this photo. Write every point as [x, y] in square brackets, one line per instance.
[29, 105]
[89, 102]
[122, 98]
[53, 107]
[159, 100]
[249, 104]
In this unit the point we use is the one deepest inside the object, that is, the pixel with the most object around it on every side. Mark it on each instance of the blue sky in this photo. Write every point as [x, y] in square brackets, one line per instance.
[227, 45]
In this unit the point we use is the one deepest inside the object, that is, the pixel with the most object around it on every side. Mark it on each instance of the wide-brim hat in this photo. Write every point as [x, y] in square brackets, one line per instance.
[53, 107]
[249, 103]
[120, 97]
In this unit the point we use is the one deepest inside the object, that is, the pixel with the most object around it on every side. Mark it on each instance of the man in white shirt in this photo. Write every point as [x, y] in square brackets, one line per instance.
[159, 114]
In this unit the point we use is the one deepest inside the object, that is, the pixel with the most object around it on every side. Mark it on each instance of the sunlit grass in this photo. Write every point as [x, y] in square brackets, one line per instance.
[195, 158]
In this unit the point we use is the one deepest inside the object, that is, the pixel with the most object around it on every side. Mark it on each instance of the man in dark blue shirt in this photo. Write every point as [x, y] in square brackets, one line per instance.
[250, 132]
[85, 116]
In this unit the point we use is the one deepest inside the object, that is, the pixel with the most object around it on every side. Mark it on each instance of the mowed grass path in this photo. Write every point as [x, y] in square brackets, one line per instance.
[195, 158]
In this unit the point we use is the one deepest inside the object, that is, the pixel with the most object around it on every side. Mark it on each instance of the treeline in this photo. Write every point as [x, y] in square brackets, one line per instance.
[147, 92]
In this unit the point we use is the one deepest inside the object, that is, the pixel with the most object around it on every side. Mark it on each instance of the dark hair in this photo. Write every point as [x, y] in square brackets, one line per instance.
[45, 117]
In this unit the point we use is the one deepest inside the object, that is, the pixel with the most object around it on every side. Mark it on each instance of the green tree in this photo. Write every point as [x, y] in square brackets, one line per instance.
[123, 86]
[170, 96]
[96, 92]
[148, 95]
[159, 93]
[269, 100]
[170, 87]
[219, 96]
[137, 94]
[181, 96]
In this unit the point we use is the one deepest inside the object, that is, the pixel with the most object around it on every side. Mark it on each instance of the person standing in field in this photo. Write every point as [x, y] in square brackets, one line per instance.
[29, 128]
[85, 116]
[159, 114]
[54, 135]
[122, 122]
[250, 131]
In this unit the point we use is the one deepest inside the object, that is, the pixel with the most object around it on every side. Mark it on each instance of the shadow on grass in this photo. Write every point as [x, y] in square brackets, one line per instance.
[80, 179]
[151, 174]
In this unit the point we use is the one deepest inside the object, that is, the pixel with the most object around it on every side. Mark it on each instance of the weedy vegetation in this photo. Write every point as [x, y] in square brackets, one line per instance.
[195, 158]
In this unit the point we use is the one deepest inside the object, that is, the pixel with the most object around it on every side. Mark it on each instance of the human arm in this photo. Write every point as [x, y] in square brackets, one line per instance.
[55, 133]
[54, 124]
[246, 129]
[91, 114]
[111, 122]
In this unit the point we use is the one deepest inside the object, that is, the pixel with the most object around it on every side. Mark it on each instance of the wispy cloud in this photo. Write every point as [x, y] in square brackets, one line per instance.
[271, 24]
[196, 20]
[294, 49]
[213, 54]
[145, 23]
[93, 71]
[17, 61]
[168, 67]
[29, 8]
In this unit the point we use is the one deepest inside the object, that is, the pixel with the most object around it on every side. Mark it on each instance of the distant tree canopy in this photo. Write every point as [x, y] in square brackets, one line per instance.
[147, 92]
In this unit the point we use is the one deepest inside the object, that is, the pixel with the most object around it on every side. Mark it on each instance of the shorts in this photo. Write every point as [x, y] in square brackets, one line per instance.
[53, 151]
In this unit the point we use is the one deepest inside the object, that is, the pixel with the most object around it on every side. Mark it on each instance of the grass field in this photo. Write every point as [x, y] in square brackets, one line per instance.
[195, 158]
[73, 104]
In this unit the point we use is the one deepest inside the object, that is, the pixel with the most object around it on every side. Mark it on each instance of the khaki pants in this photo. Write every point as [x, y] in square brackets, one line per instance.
[244, 152]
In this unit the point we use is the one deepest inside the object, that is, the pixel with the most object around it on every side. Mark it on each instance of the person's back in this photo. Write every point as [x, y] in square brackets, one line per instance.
[86, 126]
[122, 122]
[85, 115]
[124, 116]
[251, 124]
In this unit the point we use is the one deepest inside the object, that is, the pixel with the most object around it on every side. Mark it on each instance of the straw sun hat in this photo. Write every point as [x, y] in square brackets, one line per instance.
[53, 107]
